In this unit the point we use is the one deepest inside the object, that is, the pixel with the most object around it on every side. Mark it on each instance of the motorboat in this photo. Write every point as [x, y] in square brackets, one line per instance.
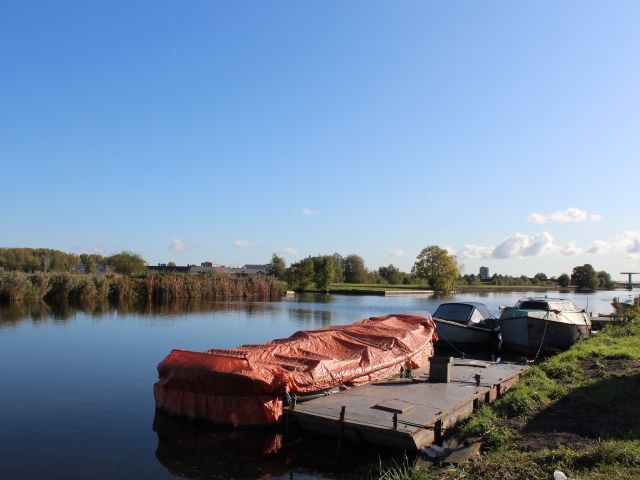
[466, 325]
[543, 325]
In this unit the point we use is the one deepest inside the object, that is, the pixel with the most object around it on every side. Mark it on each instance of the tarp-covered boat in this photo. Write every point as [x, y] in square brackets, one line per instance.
[245, 386]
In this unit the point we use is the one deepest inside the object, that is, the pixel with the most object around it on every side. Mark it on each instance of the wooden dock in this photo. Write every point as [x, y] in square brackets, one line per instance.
[408, 413]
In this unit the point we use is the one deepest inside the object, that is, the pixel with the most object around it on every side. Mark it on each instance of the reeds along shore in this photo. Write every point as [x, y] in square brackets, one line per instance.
[60, 287]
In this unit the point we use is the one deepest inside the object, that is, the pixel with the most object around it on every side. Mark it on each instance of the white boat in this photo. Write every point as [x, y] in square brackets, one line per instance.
[467, 325]
[546, 325]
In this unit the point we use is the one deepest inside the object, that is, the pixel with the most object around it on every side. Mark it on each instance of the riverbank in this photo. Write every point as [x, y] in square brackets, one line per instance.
[377, 289]
[575, 412]
[65, 287]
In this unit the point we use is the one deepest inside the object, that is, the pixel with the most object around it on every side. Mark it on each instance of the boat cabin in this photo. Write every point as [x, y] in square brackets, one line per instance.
[471, 314]
[547, 305]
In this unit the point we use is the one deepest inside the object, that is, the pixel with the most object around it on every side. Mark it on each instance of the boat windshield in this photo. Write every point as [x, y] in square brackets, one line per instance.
[454, 312]
[561, 306]
[533, 305]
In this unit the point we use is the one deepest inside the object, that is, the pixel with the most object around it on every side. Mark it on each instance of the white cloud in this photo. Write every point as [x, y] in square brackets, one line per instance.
[307, 212]
[595, 217]
[518, 245]
[398, 252]
[521, 245]
[475, 251]
[600, 247]
[628, 242]
[290, 251]
[570, 250]
[634, 249]
[569, 215]
[244, 244]
[178, 245]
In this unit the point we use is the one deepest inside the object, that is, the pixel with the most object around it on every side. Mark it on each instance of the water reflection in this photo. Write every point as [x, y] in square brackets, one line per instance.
[198, 450]
[309, 316]
[14, 313]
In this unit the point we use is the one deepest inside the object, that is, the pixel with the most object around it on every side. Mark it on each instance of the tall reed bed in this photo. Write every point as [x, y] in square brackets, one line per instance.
[144, 289]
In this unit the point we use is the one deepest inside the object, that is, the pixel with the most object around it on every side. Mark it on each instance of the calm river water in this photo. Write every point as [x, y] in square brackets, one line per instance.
[76, 395]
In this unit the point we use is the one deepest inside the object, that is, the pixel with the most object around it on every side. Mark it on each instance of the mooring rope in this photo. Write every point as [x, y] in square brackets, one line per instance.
[544, 332]
[452, 345]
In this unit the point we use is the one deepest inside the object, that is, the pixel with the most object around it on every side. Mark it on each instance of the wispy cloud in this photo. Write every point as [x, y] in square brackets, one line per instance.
[398, 252]
[307, 212]
[290, 251]
[178, 245]
[243, 244]
[568, 215]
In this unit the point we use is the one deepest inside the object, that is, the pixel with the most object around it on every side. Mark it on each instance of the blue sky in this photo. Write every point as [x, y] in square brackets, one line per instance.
[508, 132]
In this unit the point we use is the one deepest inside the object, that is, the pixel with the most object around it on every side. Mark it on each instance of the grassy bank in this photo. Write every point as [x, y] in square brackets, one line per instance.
[576, 412]
[364, 288]
[154, 287]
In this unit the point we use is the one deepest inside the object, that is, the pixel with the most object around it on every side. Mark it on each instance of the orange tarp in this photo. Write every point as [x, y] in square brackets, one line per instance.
[246, 385]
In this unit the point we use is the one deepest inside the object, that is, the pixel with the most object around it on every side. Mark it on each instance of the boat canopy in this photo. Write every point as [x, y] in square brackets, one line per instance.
[547, 305]
[468, 313]
[246, 385]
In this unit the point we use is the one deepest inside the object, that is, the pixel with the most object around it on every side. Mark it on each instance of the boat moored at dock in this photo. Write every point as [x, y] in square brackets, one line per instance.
[543, 325]
[250, 385]
[466, 325]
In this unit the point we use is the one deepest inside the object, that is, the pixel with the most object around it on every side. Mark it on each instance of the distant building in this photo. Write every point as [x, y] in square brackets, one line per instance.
[210, 267]
[484, 273]
[100, 268]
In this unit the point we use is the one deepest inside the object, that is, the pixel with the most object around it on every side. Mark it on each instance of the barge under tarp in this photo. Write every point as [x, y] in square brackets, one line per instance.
[245, 386]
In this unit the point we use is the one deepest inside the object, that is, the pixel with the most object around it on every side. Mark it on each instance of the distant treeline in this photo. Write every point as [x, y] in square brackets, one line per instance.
[60, 287]
[50, 260]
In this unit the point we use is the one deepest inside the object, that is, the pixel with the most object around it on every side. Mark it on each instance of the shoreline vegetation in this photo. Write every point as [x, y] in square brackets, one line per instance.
[364, 288]
[65, 287]
[575, 412]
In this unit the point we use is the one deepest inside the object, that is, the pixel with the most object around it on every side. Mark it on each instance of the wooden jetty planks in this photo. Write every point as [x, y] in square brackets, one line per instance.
[422, 410]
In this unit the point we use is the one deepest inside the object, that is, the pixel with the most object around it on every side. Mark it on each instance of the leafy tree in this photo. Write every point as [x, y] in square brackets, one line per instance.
[338, 275]
[325, 267]
[540, 277]
[171, 264]
[472, 279]
[391, 274]
[127, 263]
[300, 274]
[584, 277]
[437, 267]
[354, 269]
[564, 280]
[604, 281]
[36, 259]
[92, 260]
[277, 267]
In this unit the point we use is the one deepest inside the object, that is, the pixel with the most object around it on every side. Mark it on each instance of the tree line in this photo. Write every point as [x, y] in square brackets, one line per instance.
[434, 266]
[320, 271]
[30, 260]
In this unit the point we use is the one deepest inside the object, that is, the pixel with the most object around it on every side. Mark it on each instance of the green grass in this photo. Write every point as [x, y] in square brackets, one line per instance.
[375, 287]
[578, 380]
